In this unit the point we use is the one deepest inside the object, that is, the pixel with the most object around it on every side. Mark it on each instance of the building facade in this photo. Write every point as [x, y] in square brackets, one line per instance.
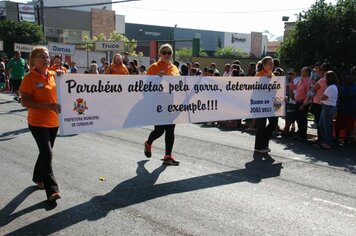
[64, 23]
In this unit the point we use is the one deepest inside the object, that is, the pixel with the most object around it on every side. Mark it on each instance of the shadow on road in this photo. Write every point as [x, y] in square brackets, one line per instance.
[142, 188]
[12, 134]
[343, 157]
[7, 215]
[13, 111]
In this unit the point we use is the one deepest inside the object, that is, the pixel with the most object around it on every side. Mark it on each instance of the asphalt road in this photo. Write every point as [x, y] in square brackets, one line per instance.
[220, 188]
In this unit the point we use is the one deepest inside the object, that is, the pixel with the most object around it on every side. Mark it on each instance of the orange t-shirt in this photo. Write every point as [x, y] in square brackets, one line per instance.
[261, 73]
[55, 68]
[163, 69]
[117, 69]
[43, 90]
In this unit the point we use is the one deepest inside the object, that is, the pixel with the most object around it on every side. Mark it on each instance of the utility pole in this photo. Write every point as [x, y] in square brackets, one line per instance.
[42, 18]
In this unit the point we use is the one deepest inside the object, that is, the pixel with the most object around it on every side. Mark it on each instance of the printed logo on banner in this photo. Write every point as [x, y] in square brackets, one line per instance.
[277, 103]
[80, 105]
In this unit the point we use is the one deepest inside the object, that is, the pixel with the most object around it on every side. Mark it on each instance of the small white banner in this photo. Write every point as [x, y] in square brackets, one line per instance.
[106, 46]
[26, 8]
[23, 47]
[27, 17]
[58, 48]
[93, 103]
[1, 45]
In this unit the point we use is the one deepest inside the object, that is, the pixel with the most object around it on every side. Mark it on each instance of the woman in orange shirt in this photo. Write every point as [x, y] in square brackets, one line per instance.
[163, 66]
[38, 91]
[117, 66]
[263, 132]
[57, 65]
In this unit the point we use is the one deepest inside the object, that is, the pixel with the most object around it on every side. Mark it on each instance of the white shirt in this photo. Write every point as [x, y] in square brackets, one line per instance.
[331, 92]
[227, 74]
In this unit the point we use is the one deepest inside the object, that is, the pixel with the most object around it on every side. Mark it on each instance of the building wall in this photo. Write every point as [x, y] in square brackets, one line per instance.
[102, 21]
[120, 24]
[51, 3]
[238, 40]
[67, 19]
[208, 39]
[62, 25]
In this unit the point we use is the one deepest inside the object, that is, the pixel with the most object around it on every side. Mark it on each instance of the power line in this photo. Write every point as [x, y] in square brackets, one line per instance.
[71, 6]
[215, 12]
[92, 4]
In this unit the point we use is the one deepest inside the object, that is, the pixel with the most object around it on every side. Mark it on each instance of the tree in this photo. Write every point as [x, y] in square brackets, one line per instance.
[130, 46]
[230, 52]
[19, 32]
[186, 54]
[325, 32]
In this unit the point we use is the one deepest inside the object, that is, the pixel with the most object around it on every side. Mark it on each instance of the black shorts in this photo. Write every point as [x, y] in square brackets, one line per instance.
[15, 84]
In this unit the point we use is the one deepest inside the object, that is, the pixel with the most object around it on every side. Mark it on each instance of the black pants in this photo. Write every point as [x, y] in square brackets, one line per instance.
[169, 137]
[263, 132]
[43, 171]
[317, 112]
[302, 120]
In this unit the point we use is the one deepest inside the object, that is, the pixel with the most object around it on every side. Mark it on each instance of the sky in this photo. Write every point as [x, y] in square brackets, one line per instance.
[233, 16]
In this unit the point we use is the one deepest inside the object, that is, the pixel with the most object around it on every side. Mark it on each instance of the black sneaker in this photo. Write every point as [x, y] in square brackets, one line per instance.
[169, 160]
[16, 99]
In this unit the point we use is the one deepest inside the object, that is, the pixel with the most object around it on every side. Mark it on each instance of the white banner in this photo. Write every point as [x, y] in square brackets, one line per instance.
[92, 103]
[23, 47]
[27, 17]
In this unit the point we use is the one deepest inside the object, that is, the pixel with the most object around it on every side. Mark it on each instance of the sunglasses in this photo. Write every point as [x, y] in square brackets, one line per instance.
[166, 52]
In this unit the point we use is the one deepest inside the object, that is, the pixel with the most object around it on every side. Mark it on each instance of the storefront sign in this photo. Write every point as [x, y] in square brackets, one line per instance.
[57, 48]
[118, 46]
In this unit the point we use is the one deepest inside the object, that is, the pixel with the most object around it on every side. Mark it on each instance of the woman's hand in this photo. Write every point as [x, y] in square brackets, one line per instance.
[55, 107]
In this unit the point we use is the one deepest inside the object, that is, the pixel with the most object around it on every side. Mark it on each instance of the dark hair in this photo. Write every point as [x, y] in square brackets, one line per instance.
[326, 66]
[331, 78]
[237, 62]
[176, 63]
[184, 69]
[235, 72]
[276, 62]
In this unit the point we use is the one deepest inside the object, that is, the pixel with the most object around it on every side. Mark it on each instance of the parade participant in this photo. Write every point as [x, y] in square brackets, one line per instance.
[302, 104]
[38, 91]
[117, 66]
[163, 66]
[263, 132]
[328, 110]
[15, 71]
[57, 65]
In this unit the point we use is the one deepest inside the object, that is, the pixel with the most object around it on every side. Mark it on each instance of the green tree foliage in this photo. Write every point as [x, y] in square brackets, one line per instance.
[130, 46]
[326, 32]
[230, 52]
[19, 32]
[186, 54]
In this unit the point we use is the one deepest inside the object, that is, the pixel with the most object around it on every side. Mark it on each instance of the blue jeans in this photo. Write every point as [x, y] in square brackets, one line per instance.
[326, 123]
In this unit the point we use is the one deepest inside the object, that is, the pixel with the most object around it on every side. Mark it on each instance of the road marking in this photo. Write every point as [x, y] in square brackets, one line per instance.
[335, 204]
